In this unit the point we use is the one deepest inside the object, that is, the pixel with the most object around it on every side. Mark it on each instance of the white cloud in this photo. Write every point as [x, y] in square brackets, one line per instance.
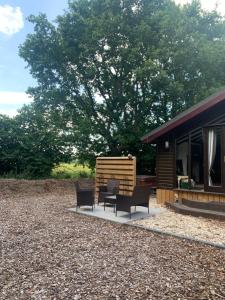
[208, 4]
[11, 101]
[11, 19]
[9, 112]
[16, 98]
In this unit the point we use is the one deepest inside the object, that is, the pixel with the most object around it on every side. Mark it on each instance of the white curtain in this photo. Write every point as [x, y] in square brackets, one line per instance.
[182, 154]
[211, 152]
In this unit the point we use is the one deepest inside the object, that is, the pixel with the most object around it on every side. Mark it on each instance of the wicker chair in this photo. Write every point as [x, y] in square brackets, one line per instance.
[140, 197]
[112, 188]
[85, 196]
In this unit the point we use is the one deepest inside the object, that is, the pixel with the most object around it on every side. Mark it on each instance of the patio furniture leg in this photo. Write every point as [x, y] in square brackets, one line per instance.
[135, 207]
[104, 205]
[148, 209]
[130, 213]
[92, 207]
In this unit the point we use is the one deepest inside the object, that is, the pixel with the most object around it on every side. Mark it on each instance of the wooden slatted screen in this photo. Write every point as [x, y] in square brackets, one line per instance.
[121, 168]
[170, 196]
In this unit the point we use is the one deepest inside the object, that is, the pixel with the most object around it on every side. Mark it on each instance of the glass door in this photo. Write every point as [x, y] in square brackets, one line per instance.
[214, 159]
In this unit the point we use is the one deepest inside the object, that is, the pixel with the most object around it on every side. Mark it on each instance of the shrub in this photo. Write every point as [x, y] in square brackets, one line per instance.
[66, 171]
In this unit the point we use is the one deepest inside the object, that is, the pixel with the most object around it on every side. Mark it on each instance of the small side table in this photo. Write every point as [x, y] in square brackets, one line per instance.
[111, 200]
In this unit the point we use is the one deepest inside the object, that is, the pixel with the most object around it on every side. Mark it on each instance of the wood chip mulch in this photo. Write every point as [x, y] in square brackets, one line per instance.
[48, 252]
[205, 229]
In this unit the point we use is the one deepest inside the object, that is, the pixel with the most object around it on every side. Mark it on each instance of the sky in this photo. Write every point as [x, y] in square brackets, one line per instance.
[14, 76]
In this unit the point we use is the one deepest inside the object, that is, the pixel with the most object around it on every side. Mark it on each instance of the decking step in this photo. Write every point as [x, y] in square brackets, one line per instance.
[212, 206]
[181, 208]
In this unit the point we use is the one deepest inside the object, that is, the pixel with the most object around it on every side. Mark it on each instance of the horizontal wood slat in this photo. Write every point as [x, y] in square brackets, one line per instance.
[111, 172]
[120, 168]
[124, 183]
[165, 172]
[124, 187]
[114, 167]
[115, 162]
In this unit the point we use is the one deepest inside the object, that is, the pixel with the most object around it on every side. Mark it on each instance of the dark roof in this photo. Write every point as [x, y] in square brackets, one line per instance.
[184, 116]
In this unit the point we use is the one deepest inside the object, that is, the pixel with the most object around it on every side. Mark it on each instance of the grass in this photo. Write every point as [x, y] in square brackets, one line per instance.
[71, 170]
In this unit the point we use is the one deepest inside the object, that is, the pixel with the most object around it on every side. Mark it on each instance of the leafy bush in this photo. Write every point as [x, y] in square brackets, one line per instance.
[66, 171]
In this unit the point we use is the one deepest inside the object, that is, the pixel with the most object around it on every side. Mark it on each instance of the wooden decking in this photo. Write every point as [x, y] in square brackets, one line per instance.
[170, 196]
[213, 210]
[199, 195]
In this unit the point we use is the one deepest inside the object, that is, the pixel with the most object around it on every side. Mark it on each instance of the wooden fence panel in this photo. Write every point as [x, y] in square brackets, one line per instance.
[121, 168]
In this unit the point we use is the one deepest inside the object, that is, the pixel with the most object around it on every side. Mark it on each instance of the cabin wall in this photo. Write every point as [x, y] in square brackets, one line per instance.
[166, 159]
[166, 165]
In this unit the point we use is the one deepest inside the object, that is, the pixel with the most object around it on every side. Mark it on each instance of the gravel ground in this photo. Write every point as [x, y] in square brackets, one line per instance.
[212, 231]
[50, 253]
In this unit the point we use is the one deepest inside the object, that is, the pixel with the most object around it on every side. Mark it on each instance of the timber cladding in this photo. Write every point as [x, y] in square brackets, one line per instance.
[165, 166]
[121, 168]
[200, 196]
[164, 196]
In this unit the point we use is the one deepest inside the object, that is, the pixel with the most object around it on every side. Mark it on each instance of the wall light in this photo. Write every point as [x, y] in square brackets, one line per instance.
[167, 144]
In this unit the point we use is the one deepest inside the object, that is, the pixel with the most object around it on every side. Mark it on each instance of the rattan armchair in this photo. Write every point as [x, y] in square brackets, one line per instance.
[85, 196]
[139, 197]
[112, 188]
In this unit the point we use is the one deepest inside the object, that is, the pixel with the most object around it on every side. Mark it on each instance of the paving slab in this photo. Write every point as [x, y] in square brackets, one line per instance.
[122, 217]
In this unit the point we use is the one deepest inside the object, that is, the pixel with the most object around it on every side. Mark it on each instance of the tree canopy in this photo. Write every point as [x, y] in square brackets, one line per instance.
[30, 145]
[110, 71]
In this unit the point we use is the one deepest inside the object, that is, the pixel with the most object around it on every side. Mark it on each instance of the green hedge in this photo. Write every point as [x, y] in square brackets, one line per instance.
[65, 171]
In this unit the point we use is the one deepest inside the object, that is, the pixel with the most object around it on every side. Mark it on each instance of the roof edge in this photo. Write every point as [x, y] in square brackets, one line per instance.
[185, 116]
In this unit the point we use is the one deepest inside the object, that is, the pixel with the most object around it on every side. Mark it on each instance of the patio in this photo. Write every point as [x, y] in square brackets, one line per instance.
[122, 217]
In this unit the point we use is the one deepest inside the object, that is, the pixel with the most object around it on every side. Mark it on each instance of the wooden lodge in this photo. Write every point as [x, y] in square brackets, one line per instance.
[190, 159]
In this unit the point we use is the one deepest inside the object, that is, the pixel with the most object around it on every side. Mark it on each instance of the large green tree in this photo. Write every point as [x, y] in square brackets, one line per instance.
[8, 145]
[30, 144]
[111, 70]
